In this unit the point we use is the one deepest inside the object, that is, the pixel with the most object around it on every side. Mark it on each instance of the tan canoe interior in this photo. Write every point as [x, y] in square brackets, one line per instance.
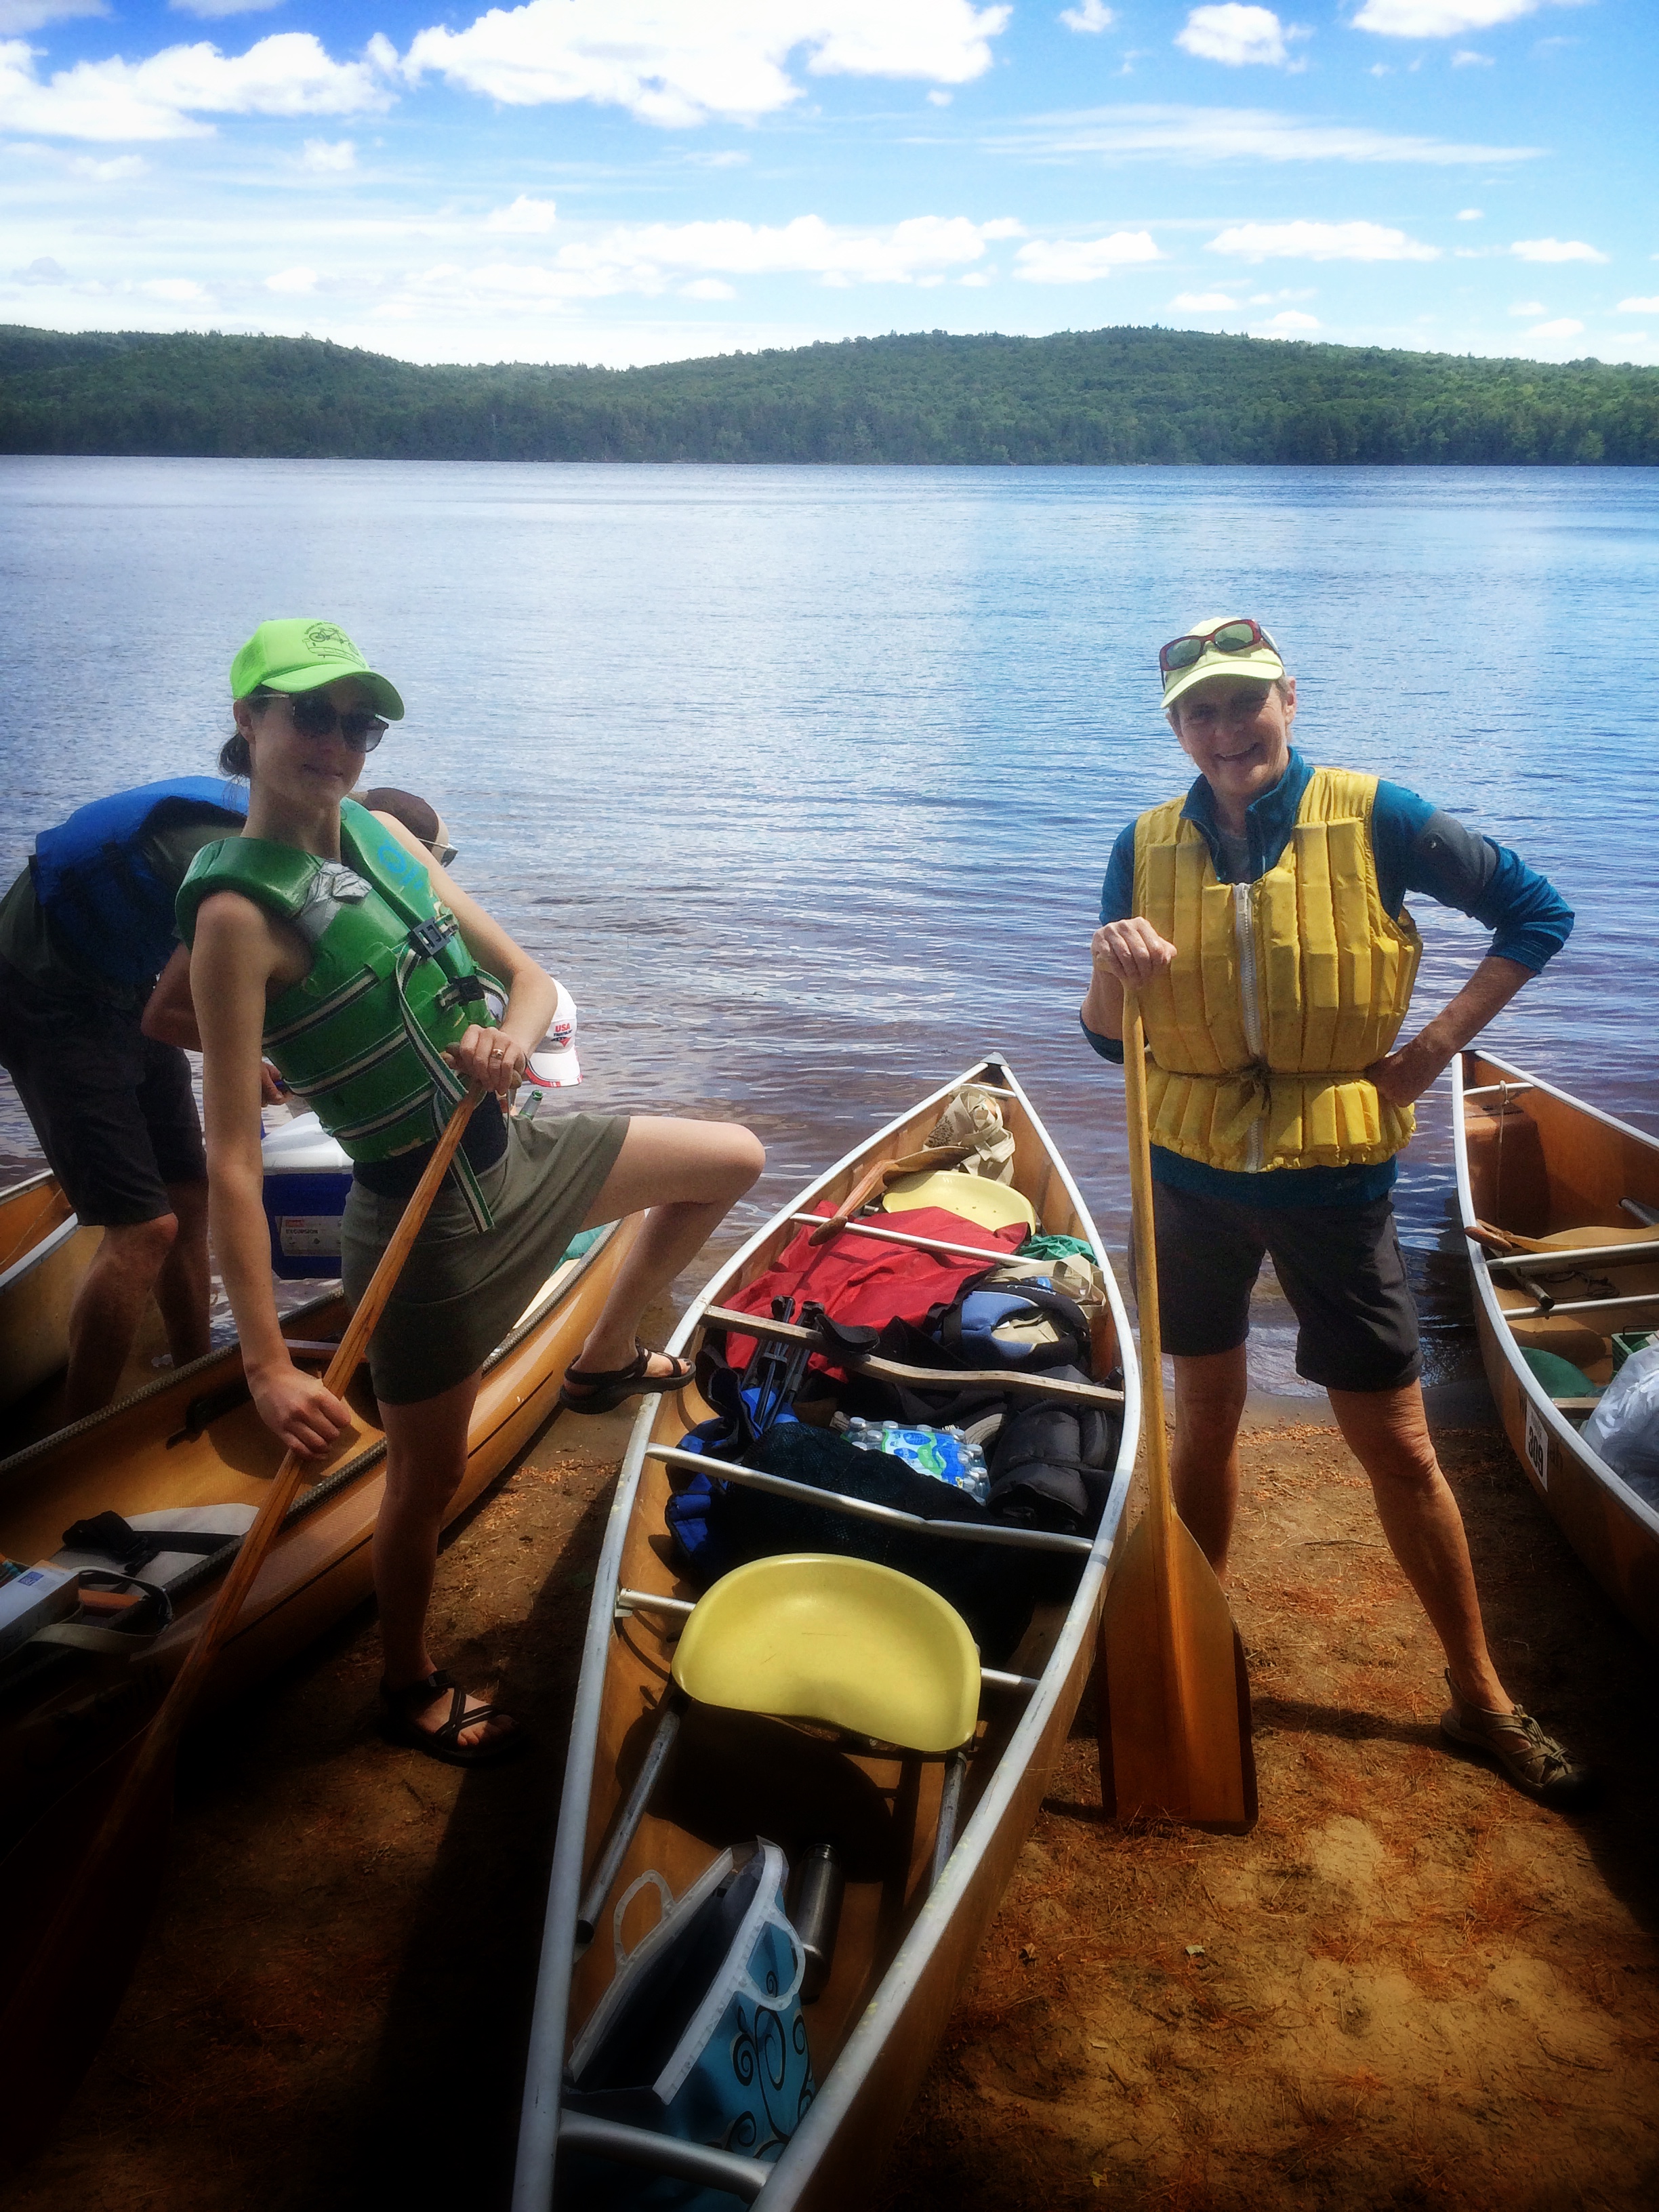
[1540, 1166]
[182, 1445]
[733, 1778]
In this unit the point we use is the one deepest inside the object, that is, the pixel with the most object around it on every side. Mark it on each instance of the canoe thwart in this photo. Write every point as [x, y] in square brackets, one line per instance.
[969, 1532]
[937, 1378]
[686, 2161]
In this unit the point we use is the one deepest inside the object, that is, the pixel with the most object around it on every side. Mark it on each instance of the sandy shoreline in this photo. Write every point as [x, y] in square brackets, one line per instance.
[1409, 1986]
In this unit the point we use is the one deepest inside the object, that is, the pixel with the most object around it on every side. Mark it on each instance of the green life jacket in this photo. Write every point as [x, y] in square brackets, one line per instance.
[392, 985]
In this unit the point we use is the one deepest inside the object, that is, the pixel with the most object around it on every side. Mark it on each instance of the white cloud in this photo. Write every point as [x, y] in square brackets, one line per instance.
[1287, 325]
[292, 280]
[329, 158]
[938, 99]
[1528, 308]
[1467, 58]
[708, 287]
[1080, 260]
[1088, 15]
[45, 271]
[35, 15]
[1554, 249]
[1234, 34]
[1203, 303]
[214, 8]
[1202, 135]
[120, 169]
[1471, 215]
[1320, 242]
[178, 291]
[654, 258]
[288, 74]
[679, 66]
[1438, 19]
[1638, 306]
[1563, 327]
[525, 218]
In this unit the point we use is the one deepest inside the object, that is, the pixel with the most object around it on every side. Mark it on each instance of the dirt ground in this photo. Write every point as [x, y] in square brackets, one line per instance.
[1409, 1986]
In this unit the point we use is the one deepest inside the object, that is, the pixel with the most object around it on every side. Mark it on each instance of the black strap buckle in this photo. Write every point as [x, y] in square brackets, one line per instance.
[429, 938]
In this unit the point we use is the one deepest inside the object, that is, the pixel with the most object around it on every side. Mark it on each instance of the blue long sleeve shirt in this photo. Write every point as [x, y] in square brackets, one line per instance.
[1419, 849]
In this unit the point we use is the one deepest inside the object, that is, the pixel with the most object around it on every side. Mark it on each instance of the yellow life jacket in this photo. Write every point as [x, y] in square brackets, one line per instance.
[1282, 991]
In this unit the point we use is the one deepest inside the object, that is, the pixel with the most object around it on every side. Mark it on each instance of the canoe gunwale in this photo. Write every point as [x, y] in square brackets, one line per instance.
[1498, 1319]
[533, 2179]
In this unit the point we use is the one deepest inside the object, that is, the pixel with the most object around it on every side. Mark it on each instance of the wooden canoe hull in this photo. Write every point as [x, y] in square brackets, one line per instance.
[904, 1952]
[53, 1726]
[44, 1253]
[1570, 1169]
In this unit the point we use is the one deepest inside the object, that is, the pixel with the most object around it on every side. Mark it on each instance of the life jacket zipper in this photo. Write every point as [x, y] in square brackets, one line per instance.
[1249, 992]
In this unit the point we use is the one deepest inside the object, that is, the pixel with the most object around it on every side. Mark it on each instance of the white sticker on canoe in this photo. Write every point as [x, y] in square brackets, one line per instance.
[1538, 1445]
[303, 1235]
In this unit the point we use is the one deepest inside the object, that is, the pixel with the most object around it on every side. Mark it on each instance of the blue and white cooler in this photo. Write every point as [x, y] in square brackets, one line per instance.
[307, 1176]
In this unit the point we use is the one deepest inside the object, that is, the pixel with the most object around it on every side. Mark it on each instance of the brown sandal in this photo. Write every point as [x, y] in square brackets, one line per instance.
[400, 1723]
[605, 1392]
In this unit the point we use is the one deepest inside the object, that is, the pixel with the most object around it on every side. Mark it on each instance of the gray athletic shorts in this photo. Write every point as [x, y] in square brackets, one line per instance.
[1340, 1266]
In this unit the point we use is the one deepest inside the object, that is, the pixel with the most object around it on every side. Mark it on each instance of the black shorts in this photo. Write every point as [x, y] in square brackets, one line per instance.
[1340, 1266]
[113, 1109]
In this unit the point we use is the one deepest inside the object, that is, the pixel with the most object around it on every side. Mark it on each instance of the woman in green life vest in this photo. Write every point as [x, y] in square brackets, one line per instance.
[326, 939]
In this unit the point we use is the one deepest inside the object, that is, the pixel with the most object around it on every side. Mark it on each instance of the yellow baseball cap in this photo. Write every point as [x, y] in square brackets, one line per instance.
[300, 655]
[1220, 644]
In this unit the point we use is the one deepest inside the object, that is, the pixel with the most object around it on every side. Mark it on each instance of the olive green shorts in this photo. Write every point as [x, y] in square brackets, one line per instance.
[462, 1288]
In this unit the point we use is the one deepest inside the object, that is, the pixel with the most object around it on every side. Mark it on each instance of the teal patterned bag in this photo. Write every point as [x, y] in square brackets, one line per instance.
[700, 2035]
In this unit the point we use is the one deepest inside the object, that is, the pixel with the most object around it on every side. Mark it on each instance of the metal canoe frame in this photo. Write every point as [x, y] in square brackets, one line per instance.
[538, 2127]
[1555, 1421]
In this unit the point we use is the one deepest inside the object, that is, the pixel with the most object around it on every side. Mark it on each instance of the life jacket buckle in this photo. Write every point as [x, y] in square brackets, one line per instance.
[429, 938]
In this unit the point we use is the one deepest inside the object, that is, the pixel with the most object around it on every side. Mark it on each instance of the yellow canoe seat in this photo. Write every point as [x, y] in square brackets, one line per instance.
[992, 1205]
[813, 1637]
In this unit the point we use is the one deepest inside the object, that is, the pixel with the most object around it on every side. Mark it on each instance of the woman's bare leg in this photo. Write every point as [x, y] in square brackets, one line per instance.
[425, 1459]
[1388, 1432]
[689, 1174]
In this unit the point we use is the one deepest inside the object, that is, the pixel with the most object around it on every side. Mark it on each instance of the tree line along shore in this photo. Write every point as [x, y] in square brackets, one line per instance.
[1113, 396]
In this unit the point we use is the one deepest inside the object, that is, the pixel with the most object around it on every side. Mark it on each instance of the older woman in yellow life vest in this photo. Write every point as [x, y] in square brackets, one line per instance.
[1260, 920]
[330, 939]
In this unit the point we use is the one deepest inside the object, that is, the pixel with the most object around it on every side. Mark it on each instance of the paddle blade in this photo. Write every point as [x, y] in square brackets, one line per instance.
[1174, 1695]
[73, 1946]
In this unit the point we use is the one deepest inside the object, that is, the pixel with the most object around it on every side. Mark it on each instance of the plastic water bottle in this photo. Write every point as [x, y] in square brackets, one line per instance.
[946, 1453]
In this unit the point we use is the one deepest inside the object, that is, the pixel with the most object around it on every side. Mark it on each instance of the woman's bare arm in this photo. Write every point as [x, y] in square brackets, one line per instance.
[237, 952]
[533, 994]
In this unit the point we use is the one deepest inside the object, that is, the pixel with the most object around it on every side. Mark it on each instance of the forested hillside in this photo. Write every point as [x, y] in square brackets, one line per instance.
[1113, 396]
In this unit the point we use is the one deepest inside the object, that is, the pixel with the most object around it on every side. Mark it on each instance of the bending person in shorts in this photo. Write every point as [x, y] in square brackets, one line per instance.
[332, 940]
[84, 932]
[1260, 920]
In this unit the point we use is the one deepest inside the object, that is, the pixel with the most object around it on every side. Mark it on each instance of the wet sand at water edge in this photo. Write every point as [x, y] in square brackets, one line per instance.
[1409, 1987]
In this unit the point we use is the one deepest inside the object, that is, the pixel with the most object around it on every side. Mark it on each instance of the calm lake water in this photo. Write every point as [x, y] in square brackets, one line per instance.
[805, 780]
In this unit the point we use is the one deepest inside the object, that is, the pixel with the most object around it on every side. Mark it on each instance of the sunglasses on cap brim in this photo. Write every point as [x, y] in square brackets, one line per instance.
[1241, 637]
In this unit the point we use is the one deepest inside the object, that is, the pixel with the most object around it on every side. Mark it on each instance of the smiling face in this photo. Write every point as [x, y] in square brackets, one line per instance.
[1237, 734]
[294, 770]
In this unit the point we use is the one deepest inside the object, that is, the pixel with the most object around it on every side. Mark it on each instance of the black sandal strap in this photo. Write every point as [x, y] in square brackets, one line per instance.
[640, 1364]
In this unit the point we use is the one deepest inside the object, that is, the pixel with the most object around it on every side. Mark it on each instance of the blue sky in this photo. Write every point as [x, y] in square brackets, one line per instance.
[633, 180]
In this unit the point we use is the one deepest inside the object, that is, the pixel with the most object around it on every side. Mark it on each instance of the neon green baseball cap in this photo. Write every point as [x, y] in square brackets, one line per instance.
[300, 655]
[1237, 653]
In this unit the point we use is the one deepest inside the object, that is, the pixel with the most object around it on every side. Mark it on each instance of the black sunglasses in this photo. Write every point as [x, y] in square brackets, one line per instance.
[314, 714]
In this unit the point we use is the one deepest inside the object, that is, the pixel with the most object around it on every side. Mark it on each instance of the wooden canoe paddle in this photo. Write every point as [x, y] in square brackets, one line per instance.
[1174, 1695]
[87, 1874]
